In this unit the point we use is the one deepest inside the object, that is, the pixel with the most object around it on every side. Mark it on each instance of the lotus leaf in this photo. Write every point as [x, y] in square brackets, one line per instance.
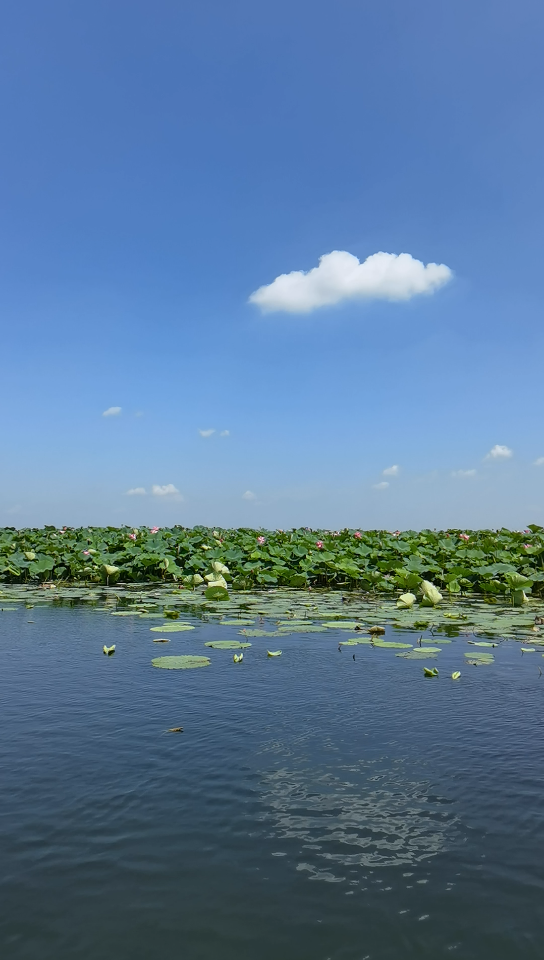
[226, 644]
[354, 643]
[216, 592]
[430, 592]
[234, 623]
[391, 644]
[406, 600]
[180, 663]
[342, 624]
[172, 628]
[417, 655]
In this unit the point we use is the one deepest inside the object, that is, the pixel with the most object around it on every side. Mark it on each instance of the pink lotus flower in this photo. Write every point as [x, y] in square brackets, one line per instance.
[526, 545]
[260, 541]
[85, 553]
[357, 534]
[464, 536]
[132, 536]
[319, 544]
[154, 529]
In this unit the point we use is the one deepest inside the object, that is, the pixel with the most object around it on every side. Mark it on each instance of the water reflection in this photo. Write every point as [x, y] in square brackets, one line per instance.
[365, 814]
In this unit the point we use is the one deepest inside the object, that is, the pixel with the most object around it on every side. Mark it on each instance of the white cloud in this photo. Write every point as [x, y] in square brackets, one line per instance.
[225, 433]
[381, 486]
[136, 492]
[340, 276]
[464, 473]
[499, 452]
[539, 462]
[391, 471]
[167, 490]
[206, 433]
[112, 412]
[249, 495]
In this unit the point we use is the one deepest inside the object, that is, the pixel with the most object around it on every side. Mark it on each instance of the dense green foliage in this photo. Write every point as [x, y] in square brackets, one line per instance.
[457, 561]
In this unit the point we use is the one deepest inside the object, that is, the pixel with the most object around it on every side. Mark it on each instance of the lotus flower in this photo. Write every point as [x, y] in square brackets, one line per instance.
[154, 529]
[464, 536]
[85, 553]
[261, 540]
[357, 534]
[319, 544]
[132, 536]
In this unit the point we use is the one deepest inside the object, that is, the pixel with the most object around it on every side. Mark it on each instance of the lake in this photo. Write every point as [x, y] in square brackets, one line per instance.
[328, 803]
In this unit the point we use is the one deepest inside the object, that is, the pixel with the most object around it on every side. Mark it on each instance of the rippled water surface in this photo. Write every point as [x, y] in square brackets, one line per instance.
[315, 806]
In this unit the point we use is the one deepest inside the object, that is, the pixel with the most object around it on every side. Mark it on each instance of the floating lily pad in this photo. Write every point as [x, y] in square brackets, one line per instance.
[354, 643]
[226, 644]
[235, 623]
[181, 663]
[342, 624]
[172, 628]
[391, 644]
[417, 654]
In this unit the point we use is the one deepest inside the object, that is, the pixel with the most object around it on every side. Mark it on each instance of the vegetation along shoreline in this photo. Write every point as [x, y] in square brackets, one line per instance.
[500, 564]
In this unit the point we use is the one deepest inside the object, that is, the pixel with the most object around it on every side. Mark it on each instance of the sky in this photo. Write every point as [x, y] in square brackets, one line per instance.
[272, 264]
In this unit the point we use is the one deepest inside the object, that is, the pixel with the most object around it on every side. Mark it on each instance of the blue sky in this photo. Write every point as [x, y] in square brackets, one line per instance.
[163, 161]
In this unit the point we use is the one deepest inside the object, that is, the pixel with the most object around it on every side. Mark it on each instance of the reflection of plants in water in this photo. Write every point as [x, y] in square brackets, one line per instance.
[380, 820]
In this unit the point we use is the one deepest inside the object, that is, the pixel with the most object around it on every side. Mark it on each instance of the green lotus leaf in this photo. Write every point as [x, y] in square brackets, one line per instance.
[218, 592]
[341, 624]
[172, 628]
[417, 655]
[430, 592]
[181, 663]
[405, 601]
[226, 644]
[235, 623]
[391, 644]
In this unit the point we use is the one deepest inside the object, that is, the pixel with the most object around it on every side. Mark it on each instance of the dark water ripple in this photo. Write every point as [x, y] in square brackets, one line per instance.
[314, 807]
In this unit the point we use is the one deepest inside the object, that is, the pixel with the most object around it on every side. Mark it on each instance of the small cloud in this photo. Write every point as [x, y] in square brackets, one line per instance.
[136, 492]
[206, 433]
[167, 490]
[539, 462]
[249, 495]
[382, 485]
[499, 452]
[340, 276]
[391, 471]
[463, 473]
[225, 433]
[112, 412]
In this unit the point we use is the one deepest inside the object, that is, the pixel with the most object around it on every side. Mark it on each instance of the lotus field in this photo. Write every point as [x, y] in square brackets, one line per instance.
[500, 564]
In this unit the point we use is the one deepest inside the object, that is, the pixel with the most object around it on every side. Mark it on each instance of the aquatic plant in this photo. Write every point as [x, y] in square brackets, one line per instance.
[412, 566]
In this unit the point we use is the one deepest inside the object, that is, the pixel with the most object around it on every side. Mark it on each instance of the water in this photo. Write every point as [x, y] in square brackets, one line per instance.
[314, 807]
